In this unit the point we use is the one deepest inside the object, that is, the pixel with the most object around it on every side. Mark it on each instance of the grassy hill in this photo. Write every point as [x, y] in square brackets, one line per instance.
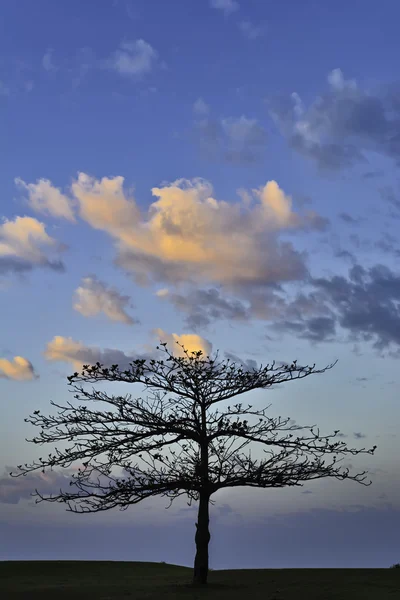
[107, 580]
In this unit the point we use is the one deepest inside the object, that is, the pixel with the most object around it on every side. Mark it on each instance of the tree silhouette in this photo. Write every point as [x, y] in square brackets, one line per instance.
[206, 461]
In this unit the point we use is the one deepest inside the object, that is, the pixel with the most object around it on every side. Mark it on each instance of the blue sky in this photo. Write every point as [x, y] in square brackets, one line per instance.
[219, 169]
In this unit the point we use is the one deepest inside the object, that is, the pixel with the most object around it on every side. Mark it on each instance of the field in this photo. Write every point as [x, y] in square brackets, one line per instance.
[78, 580]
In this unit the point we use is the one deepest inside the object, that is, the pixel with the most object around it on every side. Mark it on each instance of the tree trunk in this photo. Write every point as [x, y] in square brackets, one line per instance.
[202, 539]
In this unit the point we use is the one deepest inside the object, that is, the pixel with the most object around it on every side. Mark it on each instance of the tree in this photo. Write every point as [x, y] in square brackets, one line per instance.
[206, 461]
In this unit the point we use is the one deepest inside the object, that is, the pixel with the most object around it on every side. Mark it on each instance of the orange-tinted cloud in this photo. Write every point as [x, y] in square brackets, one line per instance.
[190, 341]
[188, 236]
[76, 353]
[19, 369]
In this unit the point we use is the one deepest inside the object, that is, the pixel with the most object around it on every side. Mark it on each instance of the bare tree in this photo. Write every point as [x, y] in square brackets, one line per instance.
[206, 461]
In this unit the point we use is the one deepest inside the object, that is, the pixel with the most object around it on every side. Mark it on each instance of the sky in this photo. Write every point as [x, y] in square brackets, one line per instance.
[224, 174]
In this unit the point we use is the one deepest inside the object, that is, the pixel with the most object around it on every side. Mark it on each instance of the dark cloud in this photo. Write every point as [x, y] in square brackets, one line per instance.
[367, 303]
[341, 253]
[343, 124]
[358, 435]
[204, 306]
[346, 218]
[13, 264]
[316, 329]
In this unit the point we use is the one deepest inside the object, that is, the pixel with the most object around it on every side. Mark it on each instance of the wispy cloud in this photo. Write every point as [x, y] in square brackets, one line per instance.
[200, 107]
[226, 6]
[47, 61]
[251, 31]
[45, 198]
[93, 297]
[238, 140]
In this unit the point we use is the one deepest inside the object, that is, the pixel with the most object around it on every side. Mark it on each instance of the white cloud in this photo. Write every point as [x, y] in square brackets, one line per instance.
[46, 199]
[47, 61]
[24, 239]
[242, 130]
[94, 297]
[200, 107]
[227, 6]
[251, 31]
[338, 83]
[133, 58]
[19, 369]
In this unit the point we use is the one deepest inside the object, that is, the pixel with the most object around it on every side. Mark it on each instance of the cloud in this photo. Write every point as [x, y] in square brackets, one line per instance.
[341, 126]
[316, 329]
[346, 218]
[248, 364]
[189, 238]
[133, 58]
[44, 198]
[94, 297]
[200, 107]
[227, 6]
[365, 305]
[358, 435]
[47, 61]
[12, 490]
[65, 349]
[203, 306]
[251, 31]
[19, 369]
[21, 246]
[239, 140]
[103, 204]
[191, 342]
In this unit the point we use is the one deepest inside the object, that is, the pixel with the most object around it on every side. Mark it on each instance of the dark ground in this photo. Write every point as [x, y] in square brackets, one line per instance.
[103, 580]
